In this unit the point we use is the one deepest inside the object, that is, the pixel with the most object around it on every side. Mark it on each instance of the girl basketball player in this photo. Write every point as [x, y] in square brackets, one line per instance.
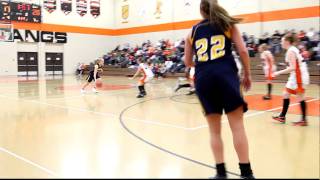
[217, 81]
[190, 78]
[268, 67]
[145, 70]
[94, 76]
[298, 78]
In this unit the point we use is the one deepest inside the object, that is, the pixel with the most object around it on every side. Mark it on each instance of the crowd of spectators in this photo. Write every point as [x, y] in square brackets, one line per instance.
[309, 44]
[167, 57]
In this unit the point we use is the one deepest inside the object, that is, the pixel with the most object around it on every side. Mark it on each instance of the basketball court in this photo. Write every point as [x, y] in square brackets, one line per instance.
[50, 130]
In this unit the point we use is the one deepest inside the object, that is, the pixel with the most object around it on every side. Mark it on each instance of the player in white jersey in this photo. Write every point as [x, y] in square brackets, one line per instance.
[268, 67]
[145, 70]
[299, 77]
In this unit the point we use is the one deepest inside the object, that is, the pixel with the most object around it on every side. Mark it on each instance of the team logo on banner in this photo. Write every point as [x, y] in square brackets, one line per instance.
[125, 12]
[158, 11]
[82, 7]
[95, 8]
[50, 5]
[66, 6]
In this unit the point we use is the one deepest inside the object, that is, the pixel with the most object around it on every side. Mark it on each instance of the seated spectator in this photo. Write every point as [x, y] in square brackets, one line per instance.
[276, 43]
[304, 52]
[313, 38]
[302, 37]
[316, 51]
[264, 39]
[245, 37]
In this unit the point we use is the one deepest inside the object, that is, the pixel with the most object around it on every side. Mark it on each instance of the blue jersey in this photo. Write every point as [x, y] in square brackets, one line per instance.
[216, 78]
[211, 46]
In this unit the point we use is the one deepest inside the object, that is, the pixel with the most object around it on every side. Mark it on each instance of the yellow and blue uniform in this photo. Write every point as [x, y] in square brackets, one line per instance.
[216, 78]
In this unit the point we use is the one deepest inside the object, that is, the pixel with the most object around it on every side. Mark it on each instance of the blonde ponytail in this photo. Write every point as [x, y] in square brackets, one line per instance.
[217, 15]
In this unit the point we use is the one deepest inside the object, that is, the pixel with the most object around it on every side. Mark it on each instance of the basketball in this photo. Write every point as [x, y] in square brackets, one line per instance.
[99, 84]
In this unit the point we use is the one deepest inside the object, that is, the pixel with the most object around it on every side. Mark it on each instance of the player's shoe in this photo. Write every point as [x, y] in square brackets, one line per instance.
[279, 119]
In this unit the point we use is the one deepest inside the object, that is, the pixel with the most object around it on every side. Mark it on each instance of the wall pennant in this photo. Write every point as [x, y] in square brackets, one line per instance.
[125, 11]
[158, 11]
[5, 11]
[95, 8]
[66, 6]
[50, 5]
[82, 7]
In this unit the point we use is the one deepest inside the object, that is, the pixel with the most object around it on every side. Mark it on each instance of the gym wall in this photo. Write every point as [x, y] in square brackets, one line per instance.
[134, 21]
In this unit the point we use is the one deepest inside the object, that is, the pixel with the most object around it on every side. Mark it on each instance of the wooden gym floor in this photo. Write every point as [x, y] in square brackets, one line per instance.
[50, 130]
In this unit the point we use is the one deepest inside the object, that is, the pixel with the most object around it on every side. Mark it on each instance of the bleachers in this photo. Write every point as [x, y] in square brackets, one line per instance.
[256, 70]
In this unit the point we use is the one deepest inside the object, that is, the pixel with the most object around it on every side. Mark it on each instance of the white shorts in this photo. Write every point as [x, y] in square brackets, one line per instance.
[293, 88]
[267, 73]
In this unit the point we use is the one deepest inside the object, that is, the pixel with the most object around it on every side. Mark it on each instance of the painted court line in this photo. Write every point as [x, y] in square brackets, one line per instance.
[30, 162]
[278, 108]
[112, 115]
[254, 114]
[138, 120]
[97, 113]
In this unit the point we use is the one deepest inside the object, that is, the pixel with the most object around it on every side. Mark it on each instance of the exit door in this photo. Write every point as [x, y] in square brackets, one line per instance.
[54, 63]
[28, 64]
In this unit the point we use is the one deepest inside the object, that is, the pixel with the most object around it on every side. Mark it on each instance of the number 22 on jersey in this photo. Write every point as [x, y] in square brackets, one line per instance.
[217, 44]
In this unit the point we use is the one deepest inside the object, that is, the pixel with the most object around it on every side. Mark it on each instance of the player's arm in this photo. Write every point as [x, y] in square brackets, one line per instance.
[96, 67]
[292, 65]
[137, 73]
[244, 56]
[188, 52]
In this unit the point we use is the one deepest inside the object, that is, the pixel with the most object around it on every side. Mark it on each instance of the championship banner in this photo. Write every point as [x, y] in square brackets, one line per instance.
[158, 11]
[50, 5]
[95, 8]
[66, 6]
[82, 7]
[125, 11]
[5, 11]
[187, 4]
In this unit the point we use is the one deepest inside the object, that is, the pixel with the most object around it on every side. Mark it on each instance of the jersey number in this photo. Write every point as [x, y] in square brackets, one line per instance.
[217, 48]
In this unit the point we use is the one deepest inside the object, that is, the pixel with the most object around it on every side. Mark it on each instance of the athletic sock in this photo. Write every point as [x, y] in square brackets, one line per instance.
[245, 169]
[285, 108]
[303, 109]
[221, 170]
[143, 90]
[140, 89]
[269, 89]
